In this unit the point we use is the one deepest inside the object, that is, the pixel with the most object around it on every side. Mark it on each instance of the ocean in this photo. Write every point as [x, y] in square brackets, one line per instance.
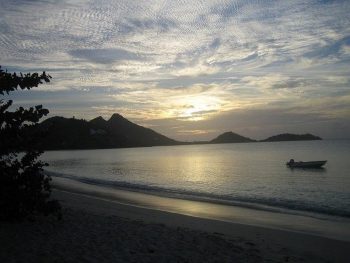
[243, 174]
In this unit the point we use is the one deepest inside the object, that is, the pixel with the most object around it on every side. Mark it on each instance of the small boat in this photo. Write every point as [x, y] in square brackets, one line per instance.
[312, 164]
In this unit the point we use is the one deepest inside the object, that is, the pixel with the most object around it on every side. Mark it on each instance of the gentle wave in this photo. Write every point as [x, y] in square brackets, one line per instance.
[275, 205]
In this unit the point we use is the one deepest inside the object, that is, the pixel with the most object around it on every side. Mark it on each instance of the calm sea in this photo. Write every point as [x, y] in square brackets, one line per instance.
[248, 174]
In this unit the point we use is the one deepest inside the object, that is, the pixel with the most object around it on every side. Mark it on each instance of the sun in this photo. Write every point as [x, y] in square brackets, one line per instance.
[198, 108]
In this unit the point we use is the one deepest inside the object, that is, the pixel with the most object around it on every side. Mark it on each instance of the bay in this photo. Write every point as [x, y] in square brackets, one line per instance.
[250, 174]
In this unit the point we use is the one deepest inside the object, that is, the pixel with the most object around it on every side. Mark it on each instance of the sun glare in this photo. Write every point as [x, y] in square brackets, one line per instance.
[198, 108]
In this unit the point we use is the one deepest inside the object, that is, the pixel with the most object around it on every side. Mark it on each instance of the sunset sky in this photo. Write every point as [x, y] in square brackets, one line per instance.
[187, 69]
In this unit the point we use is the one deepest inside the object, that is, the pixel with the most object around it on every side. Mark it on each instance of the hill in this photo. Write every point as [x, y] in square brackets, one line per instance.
[231, 137]
[118, 132]
[291, 137]
[70, 133]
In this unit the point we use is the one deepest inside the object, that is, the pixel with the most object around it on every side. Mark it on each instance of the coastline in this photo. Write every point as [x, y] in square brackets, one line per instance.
[235, 177]
[96, 228]
[330, 227]
[268, 240]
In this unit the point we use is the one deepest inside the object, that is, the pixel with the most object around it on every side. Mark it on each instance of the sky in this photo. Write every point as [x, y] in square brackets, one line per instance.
[190, 70]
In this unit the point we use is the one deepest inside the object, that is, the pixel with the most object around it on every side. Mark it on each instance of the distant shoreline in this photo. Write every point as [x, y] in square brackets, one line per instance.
[187, 144]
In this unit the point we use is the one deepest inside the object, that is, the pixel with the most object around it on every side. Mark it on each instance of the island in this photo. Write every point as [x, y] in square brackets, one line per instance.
[231, 137]
[292, 137]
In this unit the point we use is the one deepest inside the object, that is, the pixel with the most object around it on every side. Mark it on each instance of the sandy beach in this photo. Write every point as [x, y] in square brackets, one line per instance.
[174, 131]
[96, 229]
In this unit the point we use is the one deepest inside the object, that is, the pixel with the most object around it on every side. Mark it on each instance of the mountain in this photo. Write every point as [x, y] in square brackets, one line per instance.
[117, 132]
[134, 134]
[98, 122]
[292, 137]
[231, 137]
[64, 133]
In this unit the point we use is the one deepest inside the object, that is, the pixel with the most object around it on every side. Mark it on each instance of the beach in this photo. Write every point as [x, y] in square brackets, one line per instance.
[174, 131]
[107, 229]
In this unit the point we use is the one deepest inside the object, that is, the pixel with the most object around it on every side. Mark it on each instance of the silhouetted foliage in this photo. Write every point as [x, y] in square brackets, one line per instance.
[24, 188]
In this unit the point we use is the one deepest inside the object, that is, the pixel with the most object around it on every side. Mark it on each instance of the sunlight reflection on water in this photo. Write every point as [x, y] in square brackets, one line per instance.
[248, 172]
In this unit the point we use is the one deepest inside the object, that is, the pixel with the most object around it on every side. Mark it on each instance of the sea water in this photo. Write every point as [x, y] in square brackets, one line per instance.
[247, 174]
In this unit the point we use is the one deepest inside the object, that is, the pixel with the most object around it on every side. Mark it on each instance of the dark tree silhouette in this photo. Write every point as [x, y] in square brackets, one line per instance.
[24, 188]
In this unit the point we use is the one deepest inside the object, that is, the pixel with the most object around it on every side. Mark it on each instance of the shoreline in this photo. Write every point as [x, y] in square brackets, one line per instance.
[270, 242]
[81, 183]
[330, 227]
[107, 230]
[178, 143]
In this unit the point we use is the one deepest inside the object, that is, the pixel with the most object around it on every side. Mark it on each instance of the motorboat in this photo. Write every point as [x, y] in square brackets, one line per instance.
[311, 164]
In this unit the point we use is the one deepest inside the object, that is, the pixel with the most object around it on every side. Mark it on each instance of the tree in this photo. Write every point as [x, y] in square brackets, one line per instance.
[24, 188]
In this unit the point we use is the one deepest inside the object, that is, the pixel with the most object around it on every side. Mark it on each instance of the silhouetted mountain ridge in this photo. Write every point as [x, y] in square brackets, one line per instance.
[71, 133]
[98, 122]
[118, 132]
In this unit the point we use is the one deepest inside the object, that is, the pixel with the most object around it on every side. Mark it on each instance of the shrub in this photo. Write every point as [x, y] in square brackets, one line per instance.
[24, 188]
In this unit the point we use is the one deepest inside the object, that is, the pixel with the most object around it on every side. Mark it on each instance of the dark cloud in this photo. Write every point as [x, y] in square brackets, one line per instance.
[289, 84]
[215, 43]
[137, 25]
[105, 55]
[227, 11]
[329, 50]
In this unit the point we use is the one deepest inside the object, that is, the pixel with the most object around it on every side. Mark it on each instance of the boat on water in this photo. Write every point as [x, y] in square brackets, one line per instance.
[312, 164]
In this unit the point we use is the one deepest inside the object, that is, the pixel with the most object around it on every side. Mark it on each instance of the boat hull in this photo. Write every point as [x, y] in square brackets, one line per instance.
[313, 164]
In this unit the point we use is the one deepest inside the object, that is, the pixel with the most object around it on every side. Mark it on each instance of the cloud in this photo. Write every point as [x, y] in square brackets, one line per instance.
[148, 59]
[334, 49]
[104, 56]
[196, 70]
[136, 25]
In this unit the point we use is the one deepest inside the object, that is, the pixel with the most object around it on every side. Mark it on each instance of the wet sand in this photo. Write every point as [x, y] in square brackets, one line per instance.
[105, 229]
